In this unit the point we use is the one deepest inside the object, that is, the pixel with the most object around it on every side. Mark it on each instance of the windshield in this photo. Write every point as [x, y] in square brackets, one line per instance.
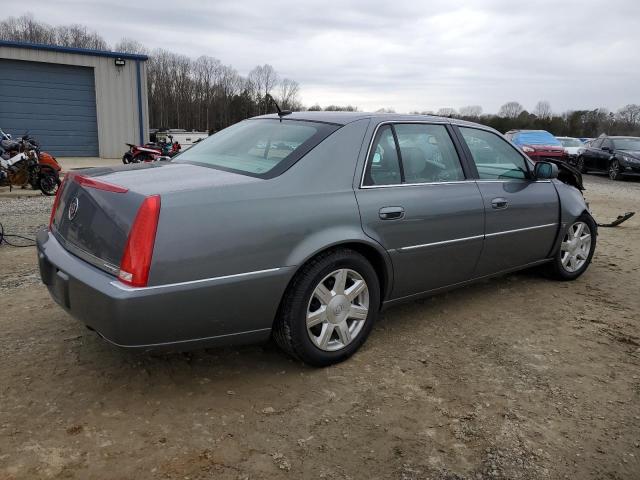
[261, 148]
[538, 137]
[571, 142]
[626, 143]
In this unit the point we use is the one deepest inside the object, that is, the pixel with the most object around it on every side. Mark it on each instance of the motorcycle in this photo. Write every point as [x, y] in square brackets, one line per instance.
[24, 164]
[150, 152]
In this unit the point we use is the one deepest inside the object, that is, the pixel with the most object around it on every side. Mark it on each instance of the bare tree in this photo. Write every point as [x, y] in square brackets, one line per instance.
[288, 94]
[129, 45]
[629, 114]
[542, 110]
[26, 29]
[262, 80]
[471, 111]
[446, 112]
[510, 110]
[79, 36]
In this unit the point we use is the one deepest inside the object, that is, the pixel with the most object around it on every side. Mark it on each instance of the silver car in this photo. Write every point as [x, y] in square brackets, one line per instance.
[302, 227]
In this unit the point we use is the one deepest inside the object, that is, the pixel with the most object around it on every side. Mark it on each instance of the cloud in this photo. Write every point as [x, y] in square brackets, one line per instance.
[405, 54]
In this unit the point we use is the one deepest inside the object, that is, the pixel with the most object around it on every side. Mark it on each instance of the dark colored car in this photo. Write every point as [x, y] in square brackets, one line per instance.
[302, 228]
[618, 156]
[539, 145]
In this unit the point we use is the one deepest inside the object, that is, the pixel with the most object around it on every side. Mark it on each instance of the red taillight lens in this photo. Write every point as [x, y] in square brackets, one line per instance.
[56, 201]
[136, 261]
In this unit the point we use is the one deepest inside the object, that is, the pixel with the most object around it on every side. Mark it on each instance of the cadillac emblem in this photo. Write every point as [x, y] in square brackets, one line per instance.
[73, 209]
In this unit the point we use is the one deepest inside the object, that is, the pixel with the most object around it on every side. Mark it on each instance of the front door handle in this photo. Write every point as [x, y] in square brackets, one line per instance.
[391, 213]
[499, 203]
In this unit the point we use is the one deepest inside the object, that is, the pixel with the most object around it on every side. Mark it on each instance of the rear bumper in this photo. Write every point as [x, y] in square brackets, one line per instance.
[226, 310]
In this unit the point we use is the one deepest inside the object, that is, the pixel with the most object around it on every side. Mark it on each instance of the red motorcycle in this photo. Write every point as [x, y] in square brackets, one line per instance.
[150, 152]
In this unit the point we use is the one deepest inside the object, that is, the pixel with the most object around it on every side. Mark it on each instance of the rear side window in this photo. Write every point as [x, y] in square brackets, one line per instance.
[493, 156]
[261, 148]
[384, 166]
[412, 153]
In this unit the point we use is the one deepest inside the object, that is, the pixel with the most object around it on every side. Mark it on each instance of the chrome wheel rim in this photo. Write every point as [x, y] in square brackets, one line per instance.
[574, 250]
[337, 310]
[614, 169]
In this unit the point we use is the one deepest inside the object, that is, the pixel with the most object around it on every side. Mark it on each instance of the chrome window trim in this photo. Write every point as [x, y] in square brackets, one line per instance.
[127, 288]
[474, 237]
[403, 122]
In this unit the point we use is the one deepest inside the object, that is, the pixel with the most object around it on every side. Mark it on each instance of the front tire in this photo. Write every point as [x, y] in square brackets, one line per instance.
[329, 308]
[580, 165]
[576, 250]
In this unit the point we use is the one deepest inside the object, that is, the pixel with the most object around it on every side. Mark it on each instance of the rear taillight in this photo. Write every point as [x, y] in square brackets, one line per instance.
[56, 201]
[136, 261]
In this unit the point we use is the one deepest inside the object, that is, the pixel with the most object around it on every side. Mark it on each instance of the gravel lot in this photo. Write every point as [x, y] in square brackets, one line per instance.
[519, 377]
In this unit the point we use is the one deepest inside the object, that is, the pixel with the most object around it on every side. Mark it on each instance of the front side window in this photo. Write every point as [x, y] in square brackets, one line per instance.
[427, 154]
[493, 156]
[261, 148]
[412, 153]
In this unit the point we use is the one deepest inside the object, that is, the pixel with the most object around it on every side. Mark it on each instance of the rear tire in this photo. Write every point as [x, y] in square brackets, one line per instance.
[329, 308]
[127, 158]
[576, 250]
[614, 170]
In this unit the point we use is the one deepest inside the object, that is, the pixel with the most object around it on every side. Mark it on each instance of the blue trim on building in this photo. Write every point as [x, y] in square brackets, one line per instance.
[78, 51]
[140, 111]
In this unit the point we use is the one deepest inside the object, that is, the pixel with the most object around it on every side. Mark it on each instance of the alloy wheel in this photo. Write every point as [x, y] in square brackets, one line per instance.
[574, 250]
[614, 170]
[337, 310]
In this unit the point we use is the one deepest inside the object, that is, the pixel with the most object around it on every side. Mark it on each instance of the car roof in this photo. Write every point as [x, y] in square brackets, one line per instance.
[343, 118]
[621, 136]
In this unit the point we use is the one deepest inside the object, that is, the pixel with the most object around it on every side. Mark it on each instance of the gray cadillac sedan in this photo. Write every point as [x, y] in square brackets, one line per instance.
[301, 227]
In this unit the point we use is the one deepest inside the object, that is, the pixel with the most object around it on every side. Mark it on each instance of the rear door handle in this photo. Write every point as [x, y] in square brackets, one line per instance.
[391, 213]
[499, 203]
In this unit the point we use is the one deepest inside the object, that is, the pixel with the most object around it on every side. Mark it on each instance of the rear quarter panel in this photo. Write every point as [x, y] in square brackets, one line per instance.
[266, 224]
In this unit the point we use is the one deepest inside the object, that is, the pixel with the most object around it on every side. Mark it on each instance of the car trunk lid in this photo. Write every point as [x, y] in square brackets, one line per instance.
[97, 208]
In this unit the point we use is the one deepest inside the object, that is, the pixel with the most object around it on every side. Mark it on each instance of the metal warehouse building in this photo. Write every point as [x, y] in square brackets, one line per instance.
[75, 102]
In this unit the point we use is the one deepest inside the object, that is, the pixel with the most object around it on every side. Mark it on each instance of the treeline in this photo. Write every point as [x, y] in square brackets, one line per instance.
[201, 94]
[205, 94]
[573, 123]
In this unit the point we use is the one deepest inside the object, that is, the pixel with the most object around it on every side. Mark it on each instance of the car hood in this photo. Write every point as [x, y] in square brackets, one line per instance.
[545, 148]
[630, 153]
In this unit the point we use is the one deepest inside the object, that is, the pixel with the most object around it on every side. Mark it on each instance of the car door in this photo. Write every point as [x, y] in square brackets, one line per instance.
[592, 153]
[604, 154]
[521, 214]
[415, 199]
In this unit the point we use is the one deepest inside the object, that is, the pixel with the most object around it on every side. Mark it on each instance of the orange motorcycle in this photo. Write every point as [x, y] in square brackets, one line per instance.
[23, 163]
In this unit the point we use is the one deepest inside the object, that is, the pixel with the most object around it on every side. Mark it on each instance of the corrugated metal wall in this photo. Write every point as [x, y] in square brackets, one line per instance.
[116, 94]
[55, 103]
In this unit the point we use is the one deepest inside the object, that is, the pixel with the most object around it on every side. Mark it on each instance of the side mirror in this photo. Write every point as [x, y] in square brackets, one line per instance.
[606, 149]
[545, 171]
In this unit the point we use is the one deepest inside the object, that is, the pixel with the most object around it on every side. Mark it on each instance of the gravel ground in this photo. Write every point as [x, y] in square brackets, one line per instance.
[519, 377]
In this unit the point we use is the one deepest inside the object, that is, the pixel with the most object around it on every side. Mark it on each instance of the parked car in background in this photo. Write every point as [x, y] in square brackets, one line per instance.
[573, 147]
[537, 144]
[286, 226]
[618, 156]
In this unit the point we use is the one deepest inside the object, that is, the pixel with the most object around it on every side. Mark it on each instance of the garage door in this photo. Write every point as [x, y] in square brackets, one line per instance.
[56, 104]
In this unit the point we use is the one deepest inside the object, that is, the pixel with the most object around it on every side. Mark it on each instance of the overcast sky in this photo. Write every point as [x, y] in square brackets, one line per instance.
[407, 55]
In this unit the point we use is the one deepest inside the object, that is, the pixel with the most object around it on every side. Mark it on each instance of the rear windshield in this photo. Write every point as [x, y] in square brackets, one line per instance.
[261, 148]
[536, 138]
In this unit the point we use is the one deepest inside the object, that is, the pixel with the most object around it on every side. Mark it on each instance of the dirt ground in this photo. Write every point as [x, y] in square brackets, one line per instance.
[519, 377]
